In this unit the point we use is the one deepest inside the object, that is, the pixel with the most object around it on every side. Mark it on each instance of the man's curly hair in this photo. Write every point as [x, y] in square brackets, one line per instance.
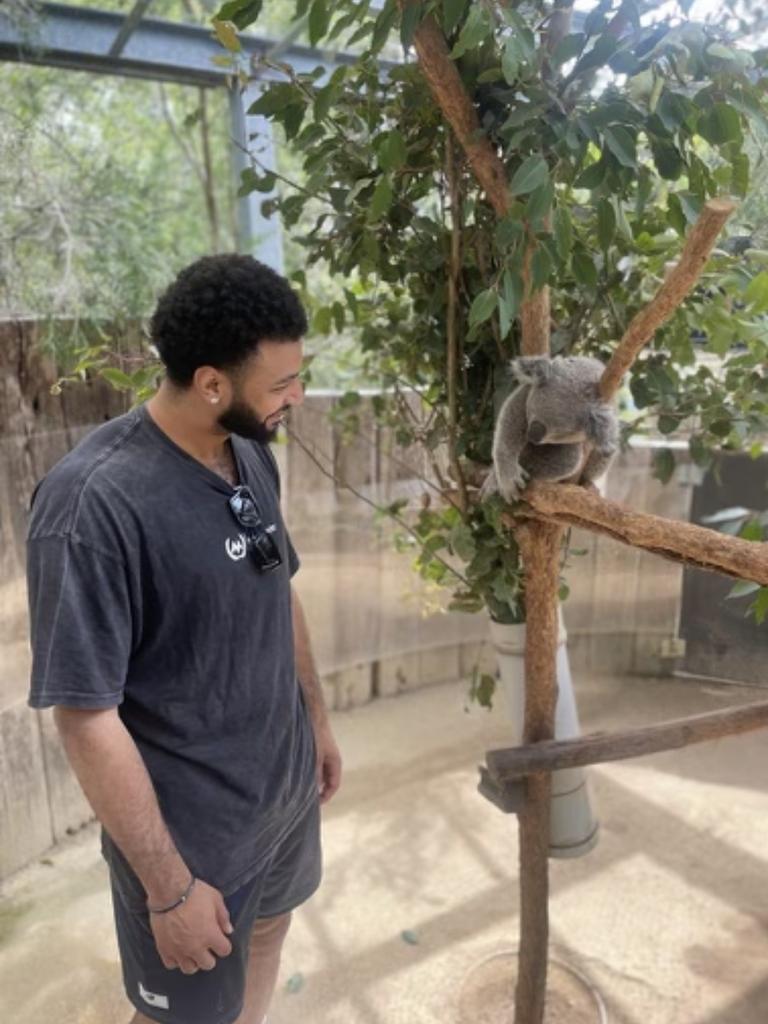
[218, 310]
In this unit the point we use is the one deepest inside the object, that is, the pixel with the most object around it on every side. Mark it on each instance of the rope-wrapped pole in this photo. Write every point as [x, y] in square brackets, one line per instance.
[673, 291]
[540, 549]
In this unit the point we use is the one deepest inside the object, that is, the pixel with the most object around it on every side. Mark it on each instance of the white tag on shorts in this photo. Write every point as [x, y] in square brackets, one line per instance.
[158, 1001]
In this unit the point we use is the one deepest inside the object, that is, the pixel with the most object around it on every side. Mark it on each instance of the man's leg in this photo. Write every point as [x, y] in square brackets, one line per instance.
[264, 952]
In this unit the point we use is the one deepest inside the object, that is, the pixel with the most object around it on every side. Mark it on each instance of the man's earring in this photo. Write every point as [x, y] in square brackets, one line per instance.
[214, 399]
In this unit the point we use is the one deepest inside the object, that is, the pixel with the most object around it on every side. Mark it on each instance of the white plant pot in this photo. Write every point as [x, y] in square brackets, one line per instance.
[573, 826]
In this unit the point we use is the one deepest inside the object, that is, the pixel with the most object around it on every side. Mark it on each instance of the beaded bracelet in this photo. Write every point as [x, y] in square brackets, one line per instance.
[172, 906]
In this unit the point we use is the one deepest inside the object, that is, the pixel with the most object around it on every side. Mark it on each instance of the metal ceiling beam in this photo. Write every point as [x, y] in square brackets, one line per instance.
[127, 28]
[80, 39]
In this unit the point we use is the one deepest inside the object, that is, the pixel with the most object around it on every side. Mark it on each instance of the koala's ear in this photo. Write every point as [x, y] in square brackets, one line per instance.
[532, 369]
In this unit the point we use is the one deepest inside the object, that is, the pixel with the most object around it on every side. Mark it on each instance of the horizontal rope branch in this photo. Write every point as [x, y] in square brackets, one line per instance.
[681, 542]
[513, 763]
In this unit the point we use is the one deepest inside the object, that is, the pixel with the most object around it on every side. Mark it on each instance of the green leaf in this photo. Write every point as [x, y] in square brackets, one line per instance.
[292, 116]
[720, 124]
[392, 151]
[241, 13]
[383, 26]
[453, 11]
[663, 464]
[226, 33]
[597, 57]
[539, 203]
[563, 232]
[251, 181]
[622, 144]
[740, 174]
[512, 291]
[723, 52]
[117, 378]
[412, 14]
[742, 588]
[506, 317]
[592, 177]
[508, 231]
[666, 156]
[483, 306]
[485, 691]
[319, 20]
[321, 322]
[759, 607]
[756, 292]
[338, 316]
[532, 173]
[381, 200]
[476, 28]
[568, 48]
[675, 215]
[584, 269]
[751, 531]
[410, 937]
[725, 515]
[622, 224]
[462, 541]
[510, 61]
[606, 223]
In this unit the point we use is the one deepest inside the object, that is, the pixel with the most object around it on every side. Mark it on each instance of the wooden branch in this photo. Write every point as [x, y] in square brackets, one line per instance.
[540, 548]
[534, 315]
[571, 505]
[459, 111]
[448, 90]
[673, 291]
[515, 762]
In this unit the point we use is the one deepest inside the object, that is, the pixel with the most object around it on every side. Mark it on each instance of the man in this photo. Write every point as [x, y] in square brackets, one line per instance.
[167, 635]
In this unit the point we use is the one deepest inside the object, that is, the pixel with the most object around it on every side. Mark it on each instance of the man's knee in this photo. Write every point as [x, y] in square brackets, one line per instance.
[268, 933]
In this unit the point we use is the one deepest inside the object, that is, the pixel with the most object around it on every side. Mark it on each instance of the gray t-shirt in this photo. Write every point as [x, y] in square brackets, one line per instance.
[143, 595]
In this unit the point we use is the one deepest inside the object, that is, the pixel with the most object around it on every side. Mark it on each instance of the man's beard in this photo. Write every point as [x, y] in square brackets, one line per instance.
[238, 419]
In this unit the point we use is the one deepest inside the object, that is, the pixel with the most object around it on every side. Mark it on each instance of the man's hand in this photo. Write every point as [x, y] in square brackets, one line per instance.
[189, 936]
[328, 762]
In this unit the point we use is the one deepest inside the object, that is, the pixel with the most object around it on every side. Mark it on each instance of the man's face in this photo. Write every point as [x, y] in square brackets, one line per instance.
[263, 391]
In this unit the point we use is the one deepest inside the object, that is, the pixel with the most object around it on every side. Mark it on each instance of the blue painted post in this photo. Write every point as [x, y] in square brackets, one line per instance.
[262, 236]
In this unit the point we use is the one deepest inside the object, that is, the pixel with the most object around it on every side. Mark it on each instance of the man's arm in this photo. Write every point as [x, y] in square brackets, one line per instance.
[328, 756]
[115, 780]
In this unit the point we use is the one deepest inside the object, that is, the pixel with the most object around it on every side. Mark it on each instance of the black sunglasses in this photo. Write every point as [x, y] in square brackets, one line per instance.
[265, 551]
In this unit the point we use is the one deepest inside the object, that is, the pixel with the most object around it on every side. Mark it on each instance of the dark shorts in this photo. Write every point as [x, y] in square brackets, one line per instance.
[289, 877]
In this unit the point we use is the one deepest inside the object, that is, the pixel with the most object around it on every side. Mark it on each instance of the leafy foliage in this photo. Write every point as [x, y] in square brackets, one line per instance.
[749, 525]
[613, 134]
[103, 194]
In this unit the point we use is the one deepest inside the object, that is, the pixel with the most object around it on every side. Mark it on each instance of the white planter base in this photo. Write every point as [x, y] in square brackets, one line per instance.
[574, 828]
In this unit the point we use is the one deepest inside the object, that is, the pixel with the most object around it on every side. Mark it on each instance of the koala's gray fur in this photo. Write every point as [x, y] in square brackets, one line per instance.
[544, 425]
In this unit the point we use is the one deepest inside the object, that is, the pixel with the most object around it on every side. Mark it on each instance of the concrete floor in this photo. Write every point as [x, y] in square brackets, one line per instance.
[668, 917]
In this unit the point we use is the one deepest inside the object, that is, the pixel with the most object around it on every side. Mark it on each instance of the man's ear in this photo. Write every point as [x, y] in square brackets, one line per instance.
[532, 369]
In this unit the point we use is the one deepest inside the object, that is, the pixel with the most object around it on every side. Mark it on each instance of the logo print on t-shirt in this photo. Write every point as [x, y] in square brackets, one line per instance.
[236, 549]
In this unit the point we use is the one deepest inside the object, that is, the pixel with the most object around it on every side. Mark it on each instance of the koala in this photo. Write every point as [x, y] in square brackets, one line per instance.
[545, 425]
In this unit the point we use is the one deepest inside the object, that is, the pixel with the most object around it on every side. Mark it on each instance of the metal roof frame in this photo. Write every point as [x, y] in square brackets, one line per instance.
[82, 39]
[134, 46]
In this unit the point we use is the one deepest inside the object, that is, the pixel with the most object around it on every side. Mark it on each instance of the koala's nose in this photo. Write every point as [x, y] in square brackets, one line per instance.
[536, 432]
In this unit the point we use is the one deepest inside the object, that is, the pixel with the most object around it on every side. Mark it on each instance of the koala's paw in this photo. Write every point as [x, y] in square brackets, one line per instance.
[513, 485]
